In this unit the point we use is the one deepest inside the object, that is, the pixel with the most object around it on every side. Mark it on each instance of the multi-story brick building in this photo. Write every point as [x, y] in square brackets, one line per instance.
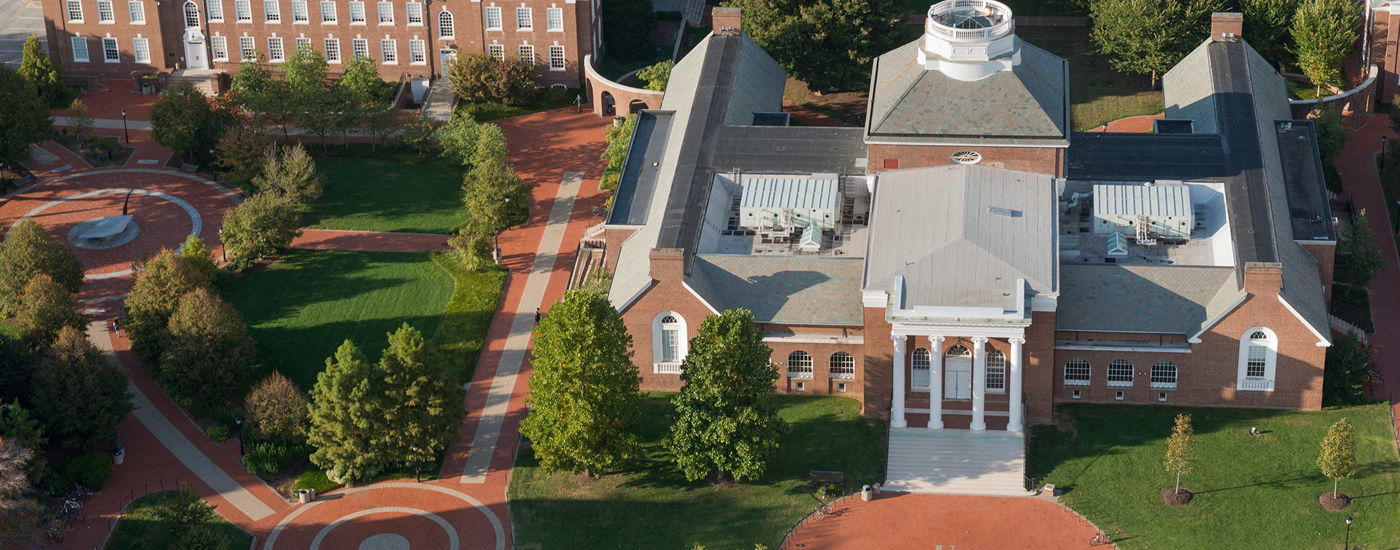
[405, 38]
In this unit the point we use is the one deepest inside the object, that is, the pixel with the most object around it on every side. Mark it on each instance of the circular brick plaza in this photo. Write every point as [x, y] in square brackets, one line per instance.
[391, 516]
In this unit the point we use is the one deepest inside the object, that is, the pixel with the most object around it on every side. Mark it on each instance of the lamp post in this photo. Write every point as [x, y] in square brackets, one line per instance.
[238, 421]
[223, 247]
[1346, 545]
[128, 135]
[496, 239]
[417, 465]
[1384, 139]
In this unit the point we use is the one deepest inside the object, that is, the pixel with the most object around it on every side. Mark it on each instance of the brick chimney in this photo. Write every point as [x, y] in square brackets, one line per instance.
[668, 264]
[726, 20]
[1226, 26]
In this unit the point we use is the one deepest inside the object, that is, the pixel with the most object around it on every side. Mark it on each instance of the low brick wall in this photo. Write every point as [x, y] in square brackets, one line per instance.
[1361, 99]
[601, 89]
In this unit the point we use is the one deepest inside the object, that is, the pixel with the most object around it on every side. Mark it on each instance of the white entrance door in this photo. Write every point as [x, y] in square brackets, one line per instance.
[195, 57]
[957, 378]
[446, 56]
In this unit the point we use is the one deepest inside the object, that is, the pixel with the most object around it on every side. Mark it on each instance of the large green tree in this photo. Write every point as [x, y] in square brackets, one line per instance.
[262, 226]
[36, 67]
[28, 251]
[46, 308]
[1346, 371]
[189, 523]
[657, 75]
[1325, 33]
[290, 172]
[277, 409]
[179, 117]
[422, 401]
[346, 417]
[80, 396]
[1359, 258]
[160, 284]
[1268, 27]
[1150, 36]
[265, 98]
[476, 76]
[583, 398]
[828, 44]
[208, 353]
[726, 419]
[241, 152]
[488, 190]
[16, 423]
[25, 120]
[17, 366]
[627, 29]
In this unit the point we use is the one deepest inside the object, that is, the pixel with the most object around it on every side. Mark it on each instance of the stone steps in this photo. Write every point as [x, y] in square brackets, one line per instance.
[956, 462]
[440, 102]
[203, 79]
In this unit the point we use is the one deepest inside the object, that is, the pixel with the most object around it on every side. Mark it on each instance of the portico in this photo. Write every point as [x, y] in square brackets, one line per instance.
[956, 367]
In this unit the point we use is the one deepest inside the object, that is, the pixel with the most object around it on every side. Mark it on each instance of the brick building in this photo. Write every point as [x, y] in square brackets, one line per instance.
[964, 261]
[113, 38]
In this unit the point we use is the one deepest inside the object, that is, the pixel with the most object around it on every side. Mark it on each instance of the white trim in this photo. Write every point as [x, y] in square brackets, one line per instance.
[954, 330]
[1210, 323]
[1321, 340]
[874, 298]
[1270, 360]
[1092, 347]
[1045, 303]
[682, 342]
[868, 141]
[698, 297]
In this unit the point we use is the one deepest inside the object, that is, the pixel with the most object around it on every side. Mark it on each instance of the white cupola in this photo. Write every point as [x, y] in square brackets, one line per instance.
[969, 39]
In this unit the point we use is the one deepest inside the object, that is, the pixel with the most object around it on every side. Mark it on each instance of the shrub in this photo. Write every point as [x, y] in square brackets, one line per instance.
[90, 470]
[609, 182]
[277, 409]
[269, 458]
[478, 77]
[217, 434]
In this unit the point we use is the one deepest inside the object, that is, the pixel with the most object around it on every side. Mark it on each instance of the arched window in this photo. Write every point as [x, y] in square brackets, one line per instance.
[1164, 375]
[799, 364]
[1120, 374]
[1258, 356]
[842, 366]
[918, 369]
[958, 351]
[996, 372]
[1077, 372]
[191, 14]
[445, 28]
[668, 342]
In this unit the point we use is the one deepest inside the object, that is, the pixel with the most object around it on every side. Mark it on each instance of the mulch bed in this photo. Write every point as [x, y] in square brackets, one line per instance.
[1333, 504]
[1171, 497]
[117, 157]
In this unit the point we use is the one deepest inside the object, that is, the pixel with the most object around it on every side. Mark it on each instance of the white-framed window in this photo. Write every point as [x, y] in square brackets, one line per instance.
[275, 53]
[445, 28]
[75, 11]
[357, 13]
[247, 50]
[137, 10]
[842, 366]
[386, 13]
[243, 10]
[359, 47]
[328, 12]
[1163, 375]
[496, 51]
[80, 51]
[966, 157]
[1077, 372]
[389, 51]
[554, 19]
[105, 12]
[414, 12]
[524, 19]
[300, 13]
[668, 342]
[417, 52]
[556, 58]
[191, 15]
[560, 87]
[527, 54]
[272, 11]
[220, 46]
[799, 364]
[332, 46]
[110, 53]
[493, 18]
[141, 50]
[1120, 374]
[919, 363]
[996, 372]
[302, 42]
[1258, 360]
[215, 9]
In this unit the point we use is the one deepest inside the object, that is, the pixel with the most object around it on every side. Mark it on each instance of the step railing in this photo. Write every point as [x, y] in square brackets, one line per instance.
[1341, 325]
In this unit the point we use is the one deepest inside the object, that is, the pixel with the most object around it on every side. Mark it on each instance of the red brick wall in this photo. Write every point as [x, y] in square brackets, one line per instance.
[60, 33]
[1044, 160]
[821, 382]
[879, 363]
[1038, 371]
[1385, 51]
[1326, 254]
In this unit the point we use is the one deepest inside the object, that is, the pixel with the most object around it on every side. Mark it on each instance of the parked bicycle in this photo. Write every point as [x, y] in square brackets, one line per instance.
[1101, 539]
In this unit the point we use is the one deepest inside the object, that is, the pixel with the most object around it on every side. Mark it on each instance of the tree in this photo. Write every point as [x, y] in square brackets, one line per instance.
[16, 424]
[156, 294]
[458, 138]
[1325, 31]
[17, 365]
[1181, 449]
[470, 76]
[422, 401]
[656, 75]
[290, 172]
[583, 398]
[1338, 458]
[305, 73]
[255, 90]
[361, 78]
[262, 226]
[726, 419]
[36, 67]
[618, 137]
[1148, 36]
[1267, 23]
[199, 256]
[346, 417]
[1346, 371]
[277, 409]
[828, 44]
[488, 188]
[79, 120]
[189, 522]
[28, 251]
[46, 308]
[1359, 258]
[208, 353]
[179, 116]
[241, 154]
[476, 76]
[19, 516]
[419, 132]
[627, 29]
[25, 120]
[80, 396]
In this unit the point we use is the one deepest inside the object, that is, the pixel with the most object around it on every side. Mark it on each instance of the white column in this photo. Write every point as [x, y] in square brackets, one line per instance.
[979, 384]
[935, 383]
[897, 408]
[1014, 425]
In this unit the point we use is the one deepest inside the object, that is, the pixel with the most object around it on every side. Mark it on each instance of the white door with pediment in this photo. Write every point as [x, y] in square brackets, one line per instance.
[957, 380]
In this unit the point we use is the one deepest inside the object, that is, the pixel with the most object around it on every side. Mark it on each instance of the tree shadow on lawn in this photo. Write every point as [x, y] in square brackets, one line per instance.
[302, 277]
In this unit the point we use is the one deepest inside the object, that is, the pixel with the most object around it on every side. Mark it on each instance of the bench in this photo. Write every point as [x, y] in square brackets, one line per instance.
[825, 476]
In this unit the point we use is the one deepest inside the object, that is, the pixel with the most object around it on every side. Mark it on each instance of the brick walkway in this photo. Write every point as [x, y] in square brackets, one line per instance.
[1129, 125]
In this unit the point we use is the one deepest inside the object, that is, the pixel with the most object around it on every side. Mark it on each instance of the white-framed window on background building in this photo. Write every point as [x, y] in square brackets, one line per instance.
[215, 9]
[80, 50]
[1077, 372]
[1163, 375]
[842, 366]
[556, 58]
[300, 13]
[275, 53]
[919, 362]
[493, 18]
[302, 43]
[243, 10]
[414, 12]
[445, 27]
[137, 10]
[247, 50]
[328, 15]
[386, 13]
[191, 15]
[105, 13]
[496, 51]
[332, 46]
[220, 46]
[110, 53]
[527, 54]
[799, 365]
[357, 13]
[668, 342]
[389, 51]
[524, 19]
[417, 52]
[75, 11]
[141, 50]
[1120, 374]
[272, 11]
[554, 19]
[996, 372]
[1258, 360]
[359, 47]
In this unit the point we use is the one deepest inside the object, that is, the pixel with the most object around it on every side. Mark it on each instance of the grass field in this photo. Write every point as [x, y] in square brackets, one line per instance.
[487, 111]
[651, 506]
[140, 528]
[378, 194]
[1098, 94]
[1254, 492]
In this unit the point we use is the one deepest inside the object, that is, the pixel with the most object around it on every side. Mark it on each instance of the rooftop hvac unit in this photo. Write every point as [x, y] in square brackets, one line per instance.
[771, 203]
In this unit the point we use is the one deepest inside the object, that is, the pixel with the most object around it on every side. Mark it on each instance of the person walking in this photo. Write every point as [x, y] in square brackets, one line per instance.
[537, 316]
[578, 103]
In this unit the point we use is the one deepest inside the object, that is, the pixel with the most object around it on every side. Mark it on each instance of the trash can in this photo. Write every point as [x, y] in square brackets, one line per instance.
[867, 493]
[876, 487]
[118, 455]
[305, 496]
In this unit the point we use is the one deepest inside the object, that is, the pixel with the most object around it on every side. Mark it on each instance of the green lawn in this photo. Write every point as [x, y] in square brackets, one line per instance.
[380, 194]
[139, 527]
[487, 111]
[1251, 492]
[651, 506]
[1098, 94]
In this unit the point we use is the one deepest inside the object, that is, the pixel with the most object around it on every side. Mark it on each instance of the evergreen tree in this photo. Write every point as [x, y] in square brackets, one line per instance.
[25, 120]
[262, 226]
[1359, 258]
[1346, 371]
[36, 67]
[15, 423]
[159, 286]
[1338, 457]
[179, 117]
[1325, 32]
[726, 418]
[28, 251]
[17, 365]
[208, 353]
[422, 401]
[80, 396]
[277, 409]
[583, 398]
[1181, 449]
[290, 172]
[199, 256]
[1268, 24]
[1150, 36]
[46, 308]
[346, 417]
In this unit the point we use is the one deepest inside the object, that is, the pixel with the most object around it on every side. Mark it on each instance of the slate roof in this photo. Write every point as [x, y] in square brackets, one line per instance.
[1026, 105]
[789, 290]
[1143, 298]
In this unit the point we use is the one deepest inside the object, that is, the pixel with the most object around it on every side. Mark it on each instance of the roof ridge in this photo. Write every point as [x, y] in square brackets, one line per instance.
[889, 112]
